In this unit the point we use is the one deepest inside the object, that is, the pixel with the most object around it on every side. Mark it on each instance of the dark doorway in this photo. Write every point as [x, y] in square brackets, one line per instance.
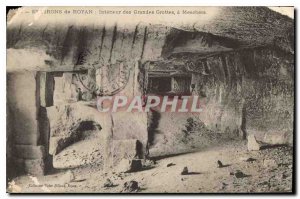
[159, 85]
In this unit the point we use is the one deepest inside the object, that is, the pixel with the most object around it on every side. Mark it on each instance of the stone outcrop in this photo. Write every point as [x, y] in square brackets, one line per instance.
[253, 144]
[69, 123]
[122, 136]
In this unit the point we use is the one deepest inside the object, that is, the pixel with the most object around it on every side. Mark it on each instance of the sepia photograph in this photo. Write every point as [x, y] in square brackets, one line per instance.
[165, 100]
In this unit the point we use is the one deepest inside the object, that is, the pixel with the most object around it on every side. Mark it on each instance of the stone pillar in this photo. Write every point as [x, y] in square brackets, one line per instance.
[46, 86]
[24, 102]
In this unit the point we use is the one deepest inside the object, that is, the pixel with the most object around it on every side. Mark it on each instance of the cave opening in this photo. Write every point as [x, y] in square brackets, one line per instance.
[83, 146]
[86, 128]
[162, 85]
[159, 85]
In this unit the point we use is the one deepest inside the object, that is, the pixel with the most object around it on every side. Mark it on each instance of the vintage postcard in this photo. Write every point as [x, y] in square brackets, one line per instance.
[150, 100]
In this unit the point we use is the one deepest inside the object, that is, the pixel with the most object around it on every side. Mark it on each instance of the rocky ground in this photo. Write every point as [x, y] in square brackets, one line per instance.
[230, 168]
[88, 151]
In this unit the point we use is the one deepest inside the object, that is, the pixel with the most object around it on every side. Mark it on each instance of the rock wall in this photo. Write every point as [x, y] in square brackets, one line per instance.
[65, 129]
[69, 122]
[68, 46]
[242, 92]
[245, 79]
[27, 152]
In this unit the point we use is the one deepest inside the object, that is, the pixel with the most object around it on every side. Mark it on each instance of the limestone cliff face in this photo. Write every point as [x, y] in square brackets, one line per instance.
[250, 88]
[71, 44]
[243, 92]
[252, 25]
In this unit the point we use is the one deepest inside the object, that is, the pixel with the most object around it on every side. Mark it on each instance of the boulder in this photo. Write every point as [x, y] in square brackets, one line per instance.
[170, 164]
[108, 183]
[131, 186]
[239, 174]
[185, 171]
[253, 145]
[219, 164]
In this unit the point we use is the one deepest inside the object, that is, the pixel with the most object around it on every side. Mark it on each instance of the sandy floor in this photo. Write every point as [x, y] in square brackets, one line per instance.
[87, 151]
[268, 170]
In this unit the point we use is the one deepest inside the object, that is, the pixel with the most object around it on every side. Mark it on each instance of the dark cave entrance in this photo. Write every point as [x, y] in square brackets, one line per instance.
[176, 85]
[159, 84]
[83, 146]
